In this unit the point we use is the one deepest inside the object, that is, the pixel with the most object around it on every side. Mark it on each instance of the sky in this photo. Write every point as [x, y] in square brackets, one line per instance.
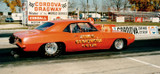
[4, 7]
[90, 2]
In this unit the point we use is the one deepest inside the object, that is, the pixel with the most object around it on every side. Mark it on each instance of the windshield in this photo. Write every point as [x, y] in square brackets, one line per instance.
[45, 26]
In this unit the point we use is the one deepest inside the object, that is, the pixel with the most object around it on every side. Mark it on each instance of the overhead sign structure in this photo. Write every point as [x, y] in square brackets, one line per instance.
[40, 11]
[137, 30]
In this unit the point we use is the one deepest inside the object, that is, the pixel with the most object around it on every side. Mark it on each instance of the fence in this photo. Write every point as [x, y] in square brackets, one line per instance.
[130, 16]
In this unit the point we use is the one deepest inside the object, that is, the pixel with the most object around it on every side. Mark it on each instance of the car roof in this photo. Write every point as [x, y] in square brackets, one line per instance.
[60, 25]
[68, 21]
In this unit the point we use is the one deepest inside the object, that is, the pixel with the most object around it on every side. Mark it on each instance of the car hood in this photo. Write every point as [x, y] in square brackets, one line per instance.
[28, 33]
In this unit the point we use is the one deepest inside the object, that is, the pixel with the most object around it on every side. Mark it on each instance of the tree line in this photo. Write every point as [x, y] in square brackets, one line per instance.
[117, 5]
[105, 5]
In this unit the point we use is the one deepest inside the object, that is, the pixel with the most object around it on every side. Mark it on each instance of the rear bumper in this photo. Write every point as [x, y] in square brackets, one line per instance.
[24, 46]
[12, 39]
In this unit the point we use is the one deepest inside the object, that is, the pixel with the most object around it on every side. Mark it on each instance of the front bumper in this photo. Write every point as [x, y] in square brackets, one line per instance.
[25, 47]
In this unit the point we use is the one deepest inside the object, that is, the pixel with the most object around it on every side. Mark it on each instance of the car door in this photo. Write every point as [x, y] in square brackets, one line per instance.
[84, 36]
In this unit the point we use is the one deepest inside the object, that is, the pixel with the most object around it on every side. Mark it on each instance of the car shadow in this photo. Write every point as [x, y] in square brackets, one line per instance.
[5, 35]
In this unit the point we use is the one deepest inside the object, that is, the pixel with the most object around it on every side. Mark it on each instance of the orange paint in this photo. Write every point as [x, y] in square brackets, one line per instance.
[32, 40]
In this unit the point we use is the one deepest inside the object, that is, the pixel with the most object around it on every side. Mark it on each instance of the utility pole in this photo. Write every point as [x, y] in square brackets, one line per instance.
[87, 9]
[77, 11]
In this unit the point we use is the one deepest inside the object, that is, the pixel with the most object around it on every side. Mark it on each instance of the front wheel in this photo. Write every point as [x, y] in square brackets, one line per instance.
[50, 50]
[119, 44]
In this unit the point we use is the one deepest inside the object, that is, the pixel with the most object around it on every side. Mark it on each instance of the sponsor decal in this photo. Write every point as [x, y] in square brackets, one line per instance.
[87, 36]
[88, 41]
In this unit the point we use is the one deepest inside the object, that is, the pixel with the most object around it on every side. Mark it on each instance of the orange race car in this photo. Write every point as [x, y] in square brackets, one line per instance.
[51, 38]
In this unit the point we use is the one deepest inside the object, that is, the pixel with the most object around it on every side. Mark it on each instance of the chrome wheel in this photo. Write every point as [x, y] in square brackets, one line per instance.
[119, 44]
[51, 48]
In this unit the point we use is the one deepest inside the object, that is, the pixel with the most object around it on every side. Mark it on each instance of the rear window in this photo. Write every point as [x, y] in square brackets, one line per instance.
[45, 26]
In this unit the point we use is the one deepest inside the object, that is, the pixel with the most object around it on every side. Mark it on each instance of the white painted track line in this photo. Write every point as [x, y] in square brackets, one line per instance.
[146, 63]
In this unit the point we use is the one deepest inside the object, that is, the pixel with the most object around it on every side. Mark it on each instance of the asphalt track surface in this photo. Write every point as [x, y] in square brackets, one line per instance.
[138, 48]
[136, 52]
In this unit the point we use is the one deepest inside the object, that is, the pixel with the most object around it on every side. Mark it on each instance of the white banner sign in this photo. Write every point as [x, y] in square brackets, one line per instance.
[138, 29]
[155, 19]
[120, 19]
[40, 11]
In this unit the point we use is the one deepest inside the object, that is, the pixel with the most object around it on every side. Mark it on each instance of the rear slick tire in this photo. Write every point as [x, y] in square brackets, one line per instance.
[50, 50]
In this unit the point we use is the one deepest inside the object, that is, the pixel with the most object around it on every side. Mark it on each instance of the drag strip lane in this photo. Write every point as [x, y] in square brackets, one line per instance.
[138, 48]
[143, 62]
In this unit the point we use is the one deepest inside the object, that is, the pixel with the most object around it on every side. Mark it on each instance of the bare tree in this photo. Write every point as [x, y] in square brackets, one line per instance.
[126, 2]
[12, 4]
[71, 5]
[116, 4]
[95, 5]
[83, 5]
[109, 5]
[103, 6]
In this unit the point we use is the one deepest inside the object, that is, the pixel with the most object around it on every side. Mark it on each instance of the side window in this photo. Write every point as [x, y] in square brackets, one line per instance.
[67, 29]
[74, 28]
[86, 27]
[80, 27]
